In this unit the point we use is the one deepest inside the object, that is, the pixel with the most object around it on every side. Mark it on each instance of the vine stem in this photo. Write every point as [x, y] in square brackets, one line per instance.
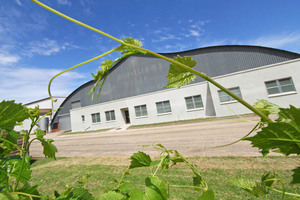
[207, 78]
[73, 67]
[30, 195]
[24, 151]
[202, 75]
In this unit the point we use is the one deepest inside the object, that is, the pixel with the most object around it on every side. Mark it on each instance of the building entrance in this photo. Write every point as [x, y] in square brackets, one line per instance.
[126, 115]
[127, 118]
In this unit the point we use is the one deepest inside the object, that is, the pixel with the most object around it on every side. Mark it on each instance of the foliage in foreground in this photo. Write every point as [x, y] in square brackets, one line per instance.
[16, 173]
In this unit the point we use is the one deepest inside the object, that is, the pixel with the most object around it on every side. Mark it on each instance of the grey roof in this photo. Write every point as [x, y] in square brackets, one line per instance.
[141, 74]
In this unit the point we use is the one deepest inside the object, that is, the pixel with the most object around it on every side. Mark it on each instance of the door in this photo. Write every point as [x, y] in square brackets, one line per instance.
[127, 118]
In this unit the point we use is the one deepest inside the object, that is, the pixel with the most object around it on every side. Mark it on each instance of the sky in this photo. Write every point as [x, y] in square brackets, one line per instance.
[36, 44]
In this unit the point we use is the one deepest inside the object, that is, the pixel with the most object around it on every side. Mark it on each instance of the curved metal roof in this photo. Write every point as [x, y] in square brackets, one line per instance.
[141, 74]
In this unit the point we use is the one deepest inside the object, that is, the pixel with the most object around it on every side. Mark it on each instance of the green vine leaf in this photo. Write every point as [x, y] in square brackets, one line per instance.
[8, 142]
[126, 50]
[140, 159]
[14, 169]
[39, 133]
[82, 194]
[7, 195]
[296, 176]
[207, 195]
[135, 194]
[155, 189]
[111, 195]
[179, 77]
[49, 149]
[248, 185]
[266, 107]
[11, 114]
[100, 77]
[283, 136]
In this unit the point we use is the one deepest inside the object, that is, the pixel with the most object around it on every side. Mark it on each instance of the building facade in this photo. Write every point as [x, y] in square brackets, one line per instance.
[45, 106]
[133, 90]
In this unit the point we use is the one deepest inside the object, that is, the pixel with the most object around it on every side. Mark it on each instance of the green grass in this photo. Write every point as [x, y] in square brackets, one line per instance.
[80, 132]
[54, 175]
[189, 121]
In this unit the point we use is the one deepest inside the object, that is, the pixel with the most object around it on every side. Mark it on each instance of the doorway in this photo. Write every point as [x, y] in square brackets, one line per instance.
[127, 118]
[126, 115]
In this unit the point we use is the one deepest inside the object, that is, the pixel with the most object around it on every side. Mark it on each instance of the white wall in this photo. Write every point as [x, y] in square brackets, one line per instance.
[250, 82]
[175, 96]
[252, 86]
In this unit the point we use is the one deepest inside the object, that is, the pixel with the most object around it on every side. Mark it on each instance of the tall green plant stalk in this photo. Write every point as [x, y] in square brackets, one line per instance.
[24, 151]
[186, 68]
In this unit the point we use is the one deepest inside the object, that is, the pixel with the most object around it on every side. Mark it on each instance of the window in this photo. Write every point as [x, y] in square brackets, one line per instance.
[110, 115]
[163, 107]
[140, 110]
[224, 97]
[95, 117]
[76, 104]
[82, 118]
[193, 102]
[280, 86]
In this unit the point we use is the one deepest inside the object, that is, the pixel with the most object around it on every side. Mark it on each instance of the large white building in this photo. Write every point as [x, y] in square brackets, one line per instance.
[133, 90]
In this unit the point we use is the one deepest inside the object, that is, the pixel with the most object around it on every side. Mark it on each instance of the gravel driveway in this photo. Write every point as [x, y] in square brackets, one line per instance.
[190, 139]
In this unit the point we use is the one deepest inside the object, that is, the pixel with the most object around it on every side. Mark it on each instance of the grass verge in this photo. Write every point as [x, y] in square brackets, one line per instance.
[232, 117]
[54, 175]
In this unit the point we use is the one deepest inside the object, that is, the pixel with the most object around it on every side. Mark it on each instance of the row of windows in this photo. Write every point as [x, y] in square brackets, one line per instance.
[192, 102]
[274, 87]
[195, 102]
[110, 116]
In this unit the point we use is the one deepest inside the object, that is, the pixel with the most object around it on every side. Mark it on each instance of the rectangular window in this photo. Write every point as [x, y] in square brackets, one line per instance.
[76, 104]
[224, 97]
[82, 118]
[193, 102]
[95, 117]
[140, 110]
[110, 115]
[163, 107]
[280, 86]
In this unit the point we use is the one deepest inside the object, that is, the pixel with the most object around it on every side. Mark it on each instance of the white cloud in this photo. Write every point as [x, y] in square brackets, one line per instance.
[193, 33]
[165, 37]
[64, 2]
[46, 47]
[276, 41]
[7, 59]
[18, 2]
[26, 84]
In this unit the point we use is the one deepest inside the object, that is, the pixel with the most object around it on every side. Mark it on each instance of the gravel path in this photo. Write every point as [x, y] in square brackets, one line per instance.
[190, 139]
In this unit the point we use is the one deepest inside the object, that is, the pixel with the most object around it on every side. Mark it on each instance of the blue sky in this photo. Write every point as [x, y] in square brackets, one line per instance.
[36, 44]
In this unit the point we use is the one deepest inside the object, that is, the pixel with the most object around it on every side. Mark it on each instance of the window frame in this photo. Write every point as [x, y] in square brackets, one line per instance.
[193, 102]
[163, 106]
[111, 117]
[280, 87]
[231, 100]
[95, 119]
[140, 110]
[82, 118]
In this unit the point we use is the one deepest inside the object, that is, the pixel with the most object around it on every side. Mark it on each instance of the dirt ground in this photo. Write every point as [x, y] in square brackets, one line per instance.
[190, 139]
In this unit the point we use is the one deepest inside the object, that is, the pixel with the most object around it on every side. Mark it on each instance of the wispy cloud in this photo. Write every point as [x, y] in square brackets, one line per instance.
[46, 47]
[8, 59]
[18, 2]
[25, 84]
[64, 2]
[276, 41]
[195, 28]
[290, 41]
